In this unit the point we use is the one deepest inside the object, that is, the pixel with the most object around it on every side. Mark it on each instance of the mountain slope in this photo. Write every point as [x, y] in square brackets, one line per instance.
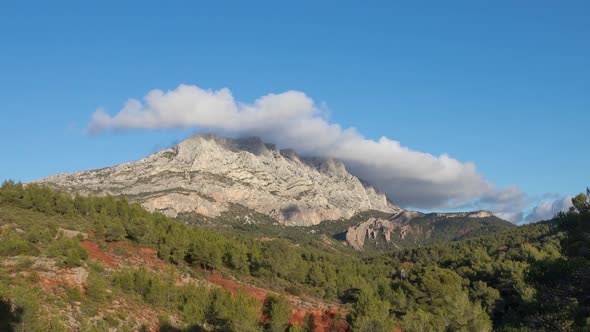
[205, 174]
[61, 270]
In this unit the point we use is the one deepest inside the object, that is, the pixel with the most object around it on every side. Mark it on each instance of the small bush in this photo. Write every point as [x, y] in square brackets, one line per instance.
[24, 263]
[69, 250]
[12, 244]
[293, 290]
[96, 287]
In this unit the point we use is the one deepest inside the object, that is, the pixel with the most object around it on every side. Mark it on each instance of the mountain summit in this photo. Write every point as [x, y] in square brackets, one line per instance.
[206, 173]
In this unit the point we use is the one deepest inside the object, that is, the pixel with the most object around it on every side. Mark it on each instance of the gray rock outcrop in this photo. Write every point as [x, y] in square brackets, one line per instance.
[206, 173]
[398, 225]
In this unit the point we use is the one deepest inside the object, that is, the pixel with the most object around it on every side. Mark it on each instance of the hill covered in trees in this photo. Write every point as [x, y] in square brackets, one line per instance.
[369, 231]
[94, 263]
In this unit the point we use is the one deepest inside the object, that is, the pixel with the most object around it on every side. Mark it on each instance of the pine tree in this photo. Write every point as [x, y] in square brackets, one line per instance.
[277, 311]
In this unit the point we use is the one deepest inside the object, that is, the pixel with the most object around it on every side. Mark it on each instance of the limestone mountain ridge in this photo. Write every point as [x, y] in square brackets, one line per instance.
[206, 174]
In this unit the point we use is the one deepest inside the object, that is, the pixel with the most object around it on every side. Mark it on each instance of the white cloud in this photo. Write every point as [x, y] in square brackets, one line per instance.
[507, 203]
[291, 119]
[548, 209]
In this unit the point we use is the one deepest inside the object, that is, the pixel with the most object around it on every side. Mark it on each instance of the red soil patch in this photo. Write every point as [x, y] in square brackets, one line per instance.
[298, 316]
[234, 286]
[151, 256]
[49, 283]
[324, 319]
[148, 251]
[136, 256]
[95, 253]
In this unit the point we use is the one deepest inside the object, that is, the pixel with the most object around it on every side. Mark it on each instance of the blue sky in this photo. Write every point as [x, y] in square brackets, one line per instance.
[501, 84]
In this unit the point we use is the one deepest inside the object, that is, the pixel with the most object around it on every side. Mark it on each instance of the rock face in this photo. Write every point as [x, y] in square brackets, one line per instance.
[369, 230]
[475, 214]
[397, 227]
[206, 173]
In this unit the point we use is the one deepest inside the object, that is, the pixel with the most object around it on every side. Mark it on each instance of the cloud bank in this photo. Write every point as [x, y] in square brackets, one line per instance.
[292, 119]
[548, 209]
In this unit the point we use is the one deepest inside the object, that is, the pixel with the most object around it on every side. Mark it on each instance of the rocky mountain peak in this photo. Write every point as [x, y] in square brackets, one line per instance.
[206, 173]
[252, 144]
[327, 165]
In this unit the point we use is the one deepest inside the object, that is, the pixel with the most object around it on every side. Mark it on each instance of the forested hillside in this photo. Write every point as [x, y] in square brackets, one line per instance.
[533, 277]
[381, 235]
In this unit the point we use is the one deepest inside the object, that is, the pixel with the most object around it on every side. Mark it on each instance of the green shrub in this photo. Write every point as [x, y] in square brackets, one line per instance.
[69, 250]
[277, 311]
[41, 233]
[12, 244]
[96, 287]
[114, 231]
[294, 290]
[24, 263]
